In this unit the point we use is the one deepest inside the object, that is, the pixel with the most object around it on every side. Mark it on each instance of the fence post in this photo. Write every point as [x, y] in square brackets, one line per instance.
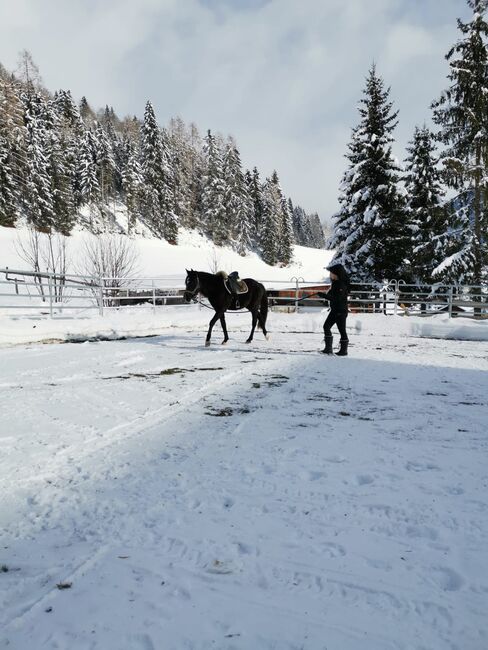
[154, 297]
[450, 300]
[100, 296]
[297, 289]
[395, 289]
[50, 286]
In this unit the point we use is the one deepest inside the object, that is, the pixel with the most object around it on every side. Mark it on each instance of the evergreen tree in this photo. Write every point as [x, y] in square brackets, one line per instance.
[256, 198]
[462, 115]
[425, 213]
[8, 198]
[105, 160]
[71, 131]
[40, 199]
[132, 181]
[270, 222]
[62, 170]
[237, 203]
[87, 170]
[158, 201]
[369, 234]
[317, 230]
[284, 234]
[87, 113]
[214, 215]
[180, 162]
[12, 152]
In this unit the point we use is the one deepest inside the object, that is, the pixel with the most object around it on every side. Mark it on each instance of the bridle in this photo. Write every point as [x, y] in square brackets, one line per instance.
[193, 293]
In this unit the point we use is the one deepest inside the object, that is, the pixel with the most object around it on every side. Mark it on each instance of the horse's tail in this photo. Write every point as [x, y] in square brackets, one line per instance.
[264, 307]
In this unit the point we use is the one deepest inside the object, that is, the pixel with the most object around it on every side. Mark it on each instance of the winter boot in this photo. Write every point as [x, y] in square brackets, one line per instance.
[343, 350]
[328, 345]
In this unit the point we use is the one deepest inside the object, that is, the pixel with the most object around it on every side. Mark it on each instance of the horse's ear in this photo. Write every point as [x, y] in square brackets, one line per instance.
[187, 270]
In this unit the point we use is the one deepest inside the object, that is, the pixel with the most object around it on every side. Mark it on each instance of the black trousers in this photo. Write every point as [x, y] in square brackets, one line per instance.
[336, 319]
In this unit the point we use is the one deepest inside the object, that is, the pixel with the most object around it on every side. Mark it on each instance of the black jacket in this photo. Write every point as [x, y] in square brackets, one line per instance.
[338, 292]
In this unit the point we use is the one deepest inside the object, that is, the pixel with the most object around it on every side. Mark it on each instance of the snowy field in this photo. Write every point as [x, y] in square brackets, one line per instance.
[244, 497]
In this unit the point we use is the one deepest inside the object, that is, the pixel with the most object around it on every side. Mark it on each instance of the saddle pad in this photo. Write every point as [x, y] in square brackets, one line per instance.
[243, 288]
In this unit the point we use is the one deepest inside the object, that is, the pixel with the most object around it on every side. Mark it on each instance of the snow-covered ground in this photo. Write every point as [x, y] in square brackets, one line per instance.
[245, 497]
[143, 321]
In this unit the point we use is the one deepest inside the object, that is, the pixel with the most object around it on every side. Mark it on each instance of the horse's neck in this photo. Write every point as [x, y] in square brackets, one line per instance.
[208, 281]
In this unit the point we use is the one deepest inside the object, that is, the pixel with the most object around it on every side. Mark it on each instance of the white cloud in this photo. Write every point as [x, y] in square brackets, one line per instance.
[284, 76]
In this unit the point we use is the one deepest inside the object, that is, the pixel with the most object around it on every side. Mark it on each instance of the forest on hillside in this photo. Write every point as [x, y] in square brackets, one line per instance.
[65, 164]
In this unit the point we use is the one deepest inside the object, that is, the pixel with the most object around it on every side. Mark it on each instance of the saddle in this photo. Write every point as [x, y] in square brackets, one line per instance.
[233, 286]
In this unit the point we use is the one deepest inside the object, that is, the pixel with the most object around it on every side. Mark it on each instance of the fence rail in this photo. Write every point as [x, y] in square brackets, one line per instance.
[27, 289]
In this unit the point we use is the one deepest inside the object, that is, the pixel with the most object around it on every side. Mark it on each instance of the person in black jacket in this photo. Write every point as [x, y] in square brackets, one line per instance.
[337, 298]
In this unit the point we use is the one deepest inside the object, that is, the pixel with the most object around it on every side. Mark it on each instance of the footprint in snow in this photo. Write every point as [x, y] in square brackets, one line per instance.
[447, 579]
[413, 466]
[313, 475]
[222, 567]
[335, 459]
[331, 550]
[364, 479]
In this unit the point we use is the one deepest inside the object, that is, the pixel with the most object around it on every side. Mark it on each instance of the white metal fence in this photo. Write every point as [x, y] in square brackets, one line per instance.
[54, 295]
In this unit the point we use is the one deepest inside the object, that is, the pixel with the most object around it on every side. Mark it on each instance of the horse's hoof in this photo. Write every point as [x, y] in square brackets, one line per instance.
[248, 340]
[267, 337]
[224, 342]
[207, 344]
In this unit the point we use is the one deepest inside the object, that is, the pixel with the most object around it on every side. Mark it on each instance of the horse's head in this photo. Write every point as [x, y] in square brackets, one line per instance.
[192, 284]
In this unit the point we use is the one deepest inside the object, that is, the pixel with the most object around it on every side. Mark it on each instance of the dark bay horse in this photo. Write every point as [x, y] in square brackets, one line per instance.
[212, 286]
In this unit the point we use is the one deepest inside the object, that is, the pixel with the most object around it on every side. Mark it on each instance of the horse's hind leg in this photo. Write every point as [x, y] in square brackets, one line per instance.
[224, 328]
[210, 328]
[262, 325]
[254, 321]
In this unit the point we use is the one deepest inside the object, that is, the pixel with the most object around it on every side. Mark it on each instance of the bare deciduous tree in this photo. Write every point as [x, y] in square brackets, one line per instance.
[46, 256]
[213, 261]
[111, 260]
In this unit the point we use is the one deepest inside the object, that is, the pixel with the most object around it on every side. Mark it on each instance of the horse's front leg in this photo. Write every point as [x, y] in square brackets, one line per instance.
[210, 327]
[224, 328]
[254, 321]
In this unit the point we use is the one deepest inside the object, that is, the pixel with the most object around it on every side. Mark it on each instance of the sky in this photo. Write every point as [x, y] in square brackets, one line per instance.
[284, 77]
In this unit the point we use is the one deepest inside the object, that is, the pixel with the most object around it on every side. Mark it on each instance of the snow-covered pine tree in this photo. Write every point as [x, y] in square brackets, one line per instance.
[39, 191]
[62, 168]
[158, 201]
[255, 192]
[317, 231]
[284, 234]
[426, 215]
[237, 202]
[132, 181]
[72, 131]
[214, 215]
[369, 230]
[196, 166]
[462, 115]
[87, 169]
[106, 169]
[298, 214]
[110, 121]
[12, 152]
[8, 198]
[87, 113]
[181, 170]
[270, 222]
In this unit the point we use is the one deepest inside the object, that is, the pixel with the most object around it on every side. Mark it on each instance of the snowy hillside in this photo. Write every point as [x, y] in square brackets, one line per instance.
[159, 258]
